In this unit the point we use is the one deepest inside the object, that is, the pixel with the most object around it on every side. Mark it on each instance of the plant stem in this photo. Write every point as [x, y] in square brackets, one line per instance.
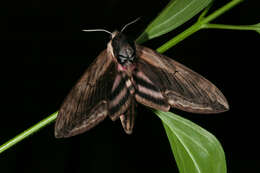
[232, 27]
[197, 26]
[192, 29]
[205, 11]
[28, 132]
[222, 10]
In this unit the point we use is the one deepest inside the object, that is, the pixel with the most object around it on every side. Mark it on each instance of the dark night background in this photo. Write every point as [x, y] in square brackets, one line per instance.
[44, 53]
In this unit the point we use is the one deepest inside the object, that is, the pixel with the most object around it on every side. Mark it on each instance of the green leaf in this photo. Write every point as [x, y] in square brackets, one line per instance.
[174, 14]
[195, 150]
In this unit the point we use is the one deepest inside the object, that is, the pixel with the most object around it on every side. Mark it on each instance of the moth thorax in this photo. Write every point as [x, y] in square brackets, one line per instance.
[123, 49]
[126, 55]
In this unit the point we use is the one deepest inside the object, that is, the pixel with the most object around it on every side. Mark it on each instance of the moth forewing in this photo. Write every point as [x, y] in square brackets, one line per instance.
[87, 103]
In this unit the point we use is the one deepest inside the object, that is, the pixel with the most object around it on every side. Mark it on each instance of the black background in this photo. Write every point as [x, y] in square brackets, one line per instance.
[44, 52]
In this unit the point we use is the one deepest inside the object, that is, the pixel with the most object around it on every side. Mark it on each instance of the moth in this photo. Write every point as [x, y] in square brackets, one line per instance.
[125, 74]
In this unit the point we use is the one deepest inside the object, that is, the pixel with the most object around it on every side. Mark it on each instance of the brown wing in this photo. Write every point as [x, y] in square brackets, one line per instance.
[183, 88]
[87, 103]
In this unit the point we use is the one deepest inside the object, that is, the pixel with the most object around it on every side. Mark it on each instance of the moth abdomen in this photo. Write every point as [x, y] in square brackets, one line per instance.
[116, 107]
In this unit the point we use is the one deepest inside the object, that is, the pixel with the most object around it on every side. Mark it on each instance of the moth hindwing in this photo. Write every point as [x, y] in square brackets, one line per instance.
[125, 74]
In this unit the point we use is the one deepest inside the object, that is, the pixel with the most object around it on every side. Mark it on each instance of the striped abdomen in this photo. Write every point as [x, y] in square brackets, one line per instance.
[121, 95]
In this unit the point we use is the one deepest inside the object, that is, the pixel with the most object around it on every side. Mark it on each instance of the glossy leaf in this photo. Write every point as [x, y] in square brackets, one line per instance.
[174, 14]
[195, 149]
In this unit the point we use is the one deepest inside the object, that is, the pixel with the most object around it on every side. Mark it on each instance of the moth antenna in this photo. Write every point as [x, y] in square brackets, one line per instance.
[130, 23]
[99, 30]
